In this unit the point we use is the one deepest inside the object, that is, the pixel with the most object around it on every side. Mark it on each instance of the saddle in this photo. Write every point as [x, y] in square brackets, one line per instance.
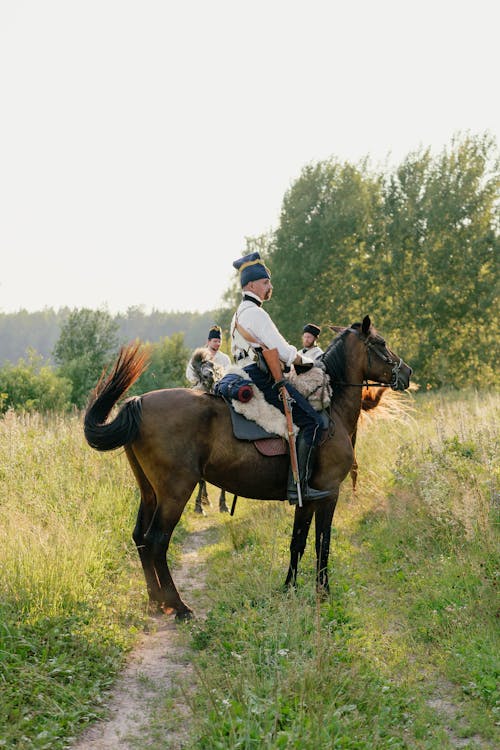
[267, 443]
[255, 420]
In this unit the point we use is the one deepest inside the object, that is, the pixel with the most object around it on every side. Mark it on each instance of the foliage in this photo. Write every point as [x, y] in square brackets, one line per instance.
[72, 593]
[32, 385]
[402, 654]
[404, 651]
[41, 330]
[167, 366]
[416, 248]
[87, 340]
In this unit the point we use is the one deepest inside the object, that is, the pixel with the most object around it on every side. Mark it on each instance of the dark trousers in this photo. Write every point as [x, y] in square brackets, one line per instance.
[303, 415]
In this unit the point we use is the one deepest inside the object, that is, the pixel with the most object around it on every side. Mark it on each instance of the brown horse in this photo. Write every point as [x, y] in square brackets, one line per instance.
[174, 437]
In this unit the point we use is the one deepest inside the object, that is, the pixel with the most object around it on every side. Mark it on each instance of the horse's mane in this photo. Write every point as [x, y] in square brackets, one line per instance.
[334, 360]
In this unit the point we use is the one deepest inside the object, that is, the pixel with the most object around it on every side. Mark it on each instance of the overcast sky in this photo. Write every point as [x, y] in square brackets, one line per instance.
[141, 142]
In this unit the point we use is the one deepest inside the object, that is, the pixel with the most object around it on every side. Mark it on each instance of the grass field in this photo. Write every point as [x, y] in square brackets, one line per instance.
[402, 654]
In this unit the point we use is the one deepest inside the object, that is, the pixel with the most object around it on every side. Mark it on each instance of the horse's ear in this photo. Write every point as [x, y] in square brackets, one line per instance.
[366, 325]
[337, 329]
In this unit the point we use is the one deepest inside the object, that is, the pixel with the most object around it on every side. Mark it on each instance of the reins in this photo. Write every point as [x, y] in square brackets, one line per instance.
[364, 384]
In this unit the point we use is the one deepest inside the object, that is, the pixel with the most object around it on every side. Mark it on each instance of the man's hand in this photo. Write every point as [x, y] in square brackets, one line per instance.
[304, 365]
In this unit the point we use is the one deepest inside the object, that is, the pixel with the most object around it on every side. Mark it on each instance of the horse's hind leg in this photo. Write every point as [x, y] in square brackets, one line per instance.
[158, 538]
[202, 497]
[301, 525]
[145, 520]
[152, 533]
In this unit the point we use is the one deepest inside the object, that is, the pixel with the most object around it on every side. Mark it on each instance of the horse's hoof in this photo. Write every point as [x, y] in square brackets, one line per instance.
[223, 509]
[154, 608]
[184, 615]
[198, 509]
[323, 592]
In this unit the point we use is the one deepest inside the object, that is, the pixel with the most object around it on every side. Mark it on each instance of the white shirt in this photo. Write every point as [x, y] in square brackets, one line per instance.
[257, 322]
[313, 351]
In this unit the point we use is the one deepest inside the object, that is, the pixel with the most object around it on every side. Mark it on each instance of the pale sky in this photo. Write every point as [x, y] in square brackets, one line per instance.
[141, 142]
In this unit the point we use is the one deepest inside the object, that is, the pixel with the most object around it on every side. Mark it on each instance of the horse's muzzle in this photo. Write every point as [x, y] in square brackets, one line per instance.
[401, 379]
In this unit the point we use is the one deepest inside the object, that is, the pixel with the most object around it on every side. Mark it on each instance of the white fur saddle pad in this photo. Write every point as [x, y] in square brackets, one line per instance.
[313, 385]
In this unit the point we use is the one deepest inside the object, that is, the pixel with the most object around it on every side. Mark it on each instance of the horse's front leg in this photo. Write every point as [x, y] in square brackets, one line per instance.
[301, 525]
[324, 518]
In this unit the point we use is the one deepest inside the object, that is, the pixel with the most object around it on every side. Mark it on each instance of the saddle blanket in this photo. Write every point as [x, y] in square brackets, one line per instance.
[259, 413]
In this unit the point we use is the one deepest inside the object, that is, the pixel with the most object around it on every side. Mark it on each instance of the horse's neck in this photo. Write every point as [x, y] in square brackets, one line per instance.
[348, 403]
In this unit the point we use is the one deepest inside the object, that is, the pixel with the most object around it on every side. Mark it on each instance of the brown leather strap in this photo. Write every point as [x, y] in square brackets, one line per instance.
[246, 335]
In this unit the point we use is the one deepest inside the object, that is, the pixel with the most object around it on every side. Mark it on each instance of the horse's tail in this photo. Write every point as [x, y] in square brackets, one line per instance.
[130, 364]
[380, 402]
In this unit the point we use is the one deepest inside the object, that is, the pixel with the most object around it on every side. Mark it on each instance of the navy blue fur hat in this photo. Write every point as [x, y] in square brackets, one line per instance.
[215, 333]
[251, 268]
[312, 328]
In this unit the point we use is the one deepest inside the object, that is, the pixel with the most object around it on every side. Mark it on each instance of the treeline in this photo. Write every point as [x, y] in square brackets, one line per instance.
[22, 332]
[416, 248]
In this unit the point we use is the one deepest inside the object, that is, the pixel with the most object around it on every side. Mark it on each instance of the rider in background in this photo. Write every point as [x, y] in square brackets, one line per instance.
[252, 330]
[310, 348]
[213, 345]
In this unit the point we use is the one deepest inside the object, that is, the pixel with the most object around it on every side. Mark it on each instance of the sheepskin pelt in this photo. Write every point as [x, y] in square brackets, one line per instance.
[268, 416]
[314, 385]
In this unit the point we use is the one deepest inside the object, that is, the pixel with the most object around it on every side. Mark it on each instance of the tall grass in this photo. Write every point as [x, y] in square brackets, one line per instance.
[404, 651]
[72, 593]
[402, 654]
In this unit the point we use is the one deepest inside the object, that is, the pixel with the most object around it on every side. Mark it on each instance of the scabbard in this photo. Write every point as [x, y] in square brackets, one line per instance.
[285, 396]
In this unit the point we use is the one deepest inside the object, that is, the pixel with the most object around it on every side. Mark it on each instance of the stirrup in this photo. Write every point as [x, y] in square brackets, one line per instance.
[308, 494]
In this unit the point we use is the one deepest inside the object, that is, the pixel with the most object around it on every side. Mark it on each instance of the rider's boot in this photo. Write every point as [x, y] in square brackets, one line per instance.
[306, 455]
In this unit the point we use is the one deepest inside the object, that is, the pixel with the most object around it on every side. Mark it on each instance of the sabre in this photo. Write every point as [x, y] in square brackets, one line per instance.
[273, 362]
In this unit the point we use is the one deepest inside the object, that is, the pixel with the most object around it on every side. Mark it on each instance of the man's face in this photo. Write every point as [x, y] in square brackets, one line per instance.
[308, 339]
[262, 288]
[213, 345]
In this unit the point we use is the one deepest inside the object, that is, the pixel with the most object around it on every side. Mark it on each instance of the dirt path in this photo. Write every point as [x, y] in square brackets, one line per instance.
[157, 664]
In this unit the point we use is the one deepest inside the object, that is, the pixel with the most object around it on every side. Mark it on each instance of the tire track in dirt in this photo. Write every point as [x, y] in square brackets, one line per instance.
[156, 665]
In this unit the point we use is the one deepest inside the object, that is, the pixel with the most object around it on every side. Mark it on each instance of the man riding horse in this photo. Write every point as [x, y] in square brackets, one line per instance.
[252, 331]
[203, 379]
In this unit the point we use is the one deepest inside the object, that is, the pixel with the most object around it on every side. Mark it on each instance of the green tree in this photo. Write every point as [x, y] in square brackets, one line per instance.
[324, 258]
[31, 385]
[443, 241]
[167, 366]
[87, 342]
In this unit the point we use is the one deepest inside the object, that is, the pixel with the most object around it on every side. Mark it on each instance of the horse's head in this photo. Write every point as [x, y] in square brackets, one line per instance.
[207, 378]
[203, 366]
[207, 371]
[375, 360]
[382, 364]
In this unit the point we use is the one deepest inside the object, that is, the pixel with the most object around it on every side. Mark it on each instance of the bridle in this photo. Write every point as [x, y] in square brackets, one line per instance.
[396, 368]
[396, 365]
